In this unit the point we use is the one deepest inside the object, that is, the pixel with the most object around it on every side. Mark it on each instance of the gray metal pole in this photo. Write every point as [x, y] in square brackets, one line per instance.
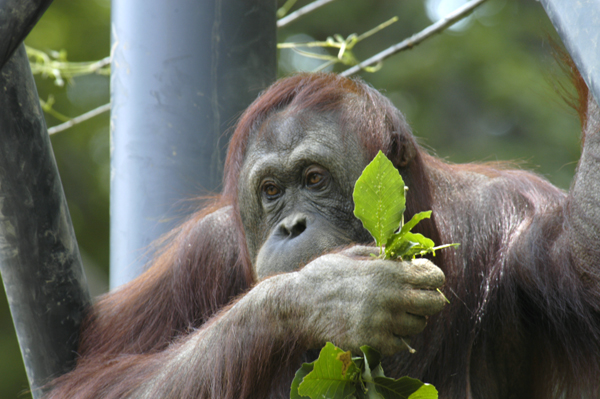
[39, 258]
[182, 71]
[17, 18]
[578, 24]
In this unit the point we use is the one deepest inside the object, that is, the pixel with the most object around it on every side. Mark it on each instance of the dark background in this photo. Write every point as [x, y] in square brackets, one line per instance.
[485, 92]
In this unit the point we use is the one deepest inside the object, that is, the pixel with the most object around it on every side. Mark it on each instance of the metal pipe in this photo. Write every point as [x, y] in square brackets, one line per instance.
[578, 24]
[39, 258]
[17, 18]
[182, 71]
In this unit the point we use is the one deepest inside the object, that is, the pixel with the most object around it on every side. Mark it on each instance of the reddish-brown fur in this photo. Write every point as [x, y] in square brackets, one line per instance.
[523, 314]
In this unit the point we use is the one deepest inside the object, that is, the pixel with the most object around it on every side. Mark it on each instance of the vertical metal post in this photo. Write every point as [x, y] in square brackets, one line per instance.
[182, 71]
[17, 18]
[39, 258]
[578, 24]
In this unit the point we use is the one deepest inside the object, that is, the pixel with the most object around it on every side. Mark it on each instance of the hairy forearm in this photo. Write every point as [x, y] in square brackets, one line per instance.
[238, 353]
[249, 349]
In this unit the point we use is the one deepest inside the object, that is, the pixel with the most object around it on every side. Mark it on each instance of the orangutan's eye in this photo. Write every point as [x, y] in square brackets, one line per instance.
[271, 190]
[317, 178]
[314, 179]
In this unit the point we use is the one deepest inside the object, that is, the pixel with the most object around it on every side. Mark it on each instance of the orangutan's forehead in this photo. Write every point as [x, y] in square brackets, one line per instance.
[287, 129]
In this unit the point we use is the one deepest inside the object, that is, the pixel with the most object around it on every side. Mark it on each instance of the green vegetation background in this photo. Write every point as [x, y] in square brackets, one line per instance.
[486, 93]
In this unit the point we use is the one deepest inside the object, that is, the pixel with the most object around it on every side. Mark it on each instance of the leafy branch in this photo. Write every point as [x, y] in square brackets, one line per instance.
[338, 375]
[81, 118]
[298, 13]
[373, 64]
[417, 38]
[55, 65]
[379, 202]
[47, 107]
[344, 46]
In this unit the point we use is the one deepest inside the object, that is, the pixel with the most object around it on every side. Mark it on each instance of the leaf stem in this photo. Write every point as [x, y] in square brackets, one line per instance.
[410, 348]
[441, 293]
[445, 246]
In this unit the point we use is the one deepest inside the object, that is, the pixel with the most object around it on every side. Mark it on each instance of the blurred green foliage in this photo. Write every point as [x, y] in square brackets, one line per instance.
[485, 93]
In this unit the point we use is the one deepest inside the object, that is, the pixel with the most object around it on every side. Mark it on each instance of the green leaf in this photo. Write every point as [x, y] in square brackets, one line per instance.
[334, 375]
[372, 359]
[404, 388]
[423, 242]
[427, 391]
[302, 372]
[371, 369]
[379, 198]
[398, 246]
[408, 245]
[420, 239]
[408, 226]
